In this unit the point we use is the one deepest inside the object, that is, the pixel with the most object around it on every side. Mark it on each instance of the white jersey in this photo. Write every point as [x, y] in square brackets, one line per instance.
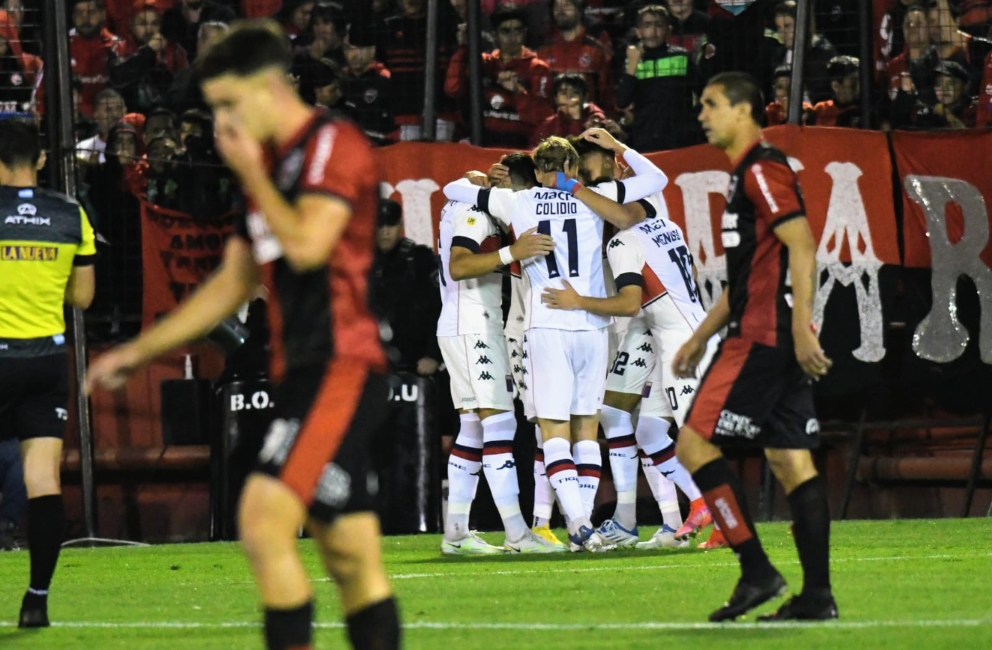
[578, 235]
[472, 306]
[653, 254]
[516, 317]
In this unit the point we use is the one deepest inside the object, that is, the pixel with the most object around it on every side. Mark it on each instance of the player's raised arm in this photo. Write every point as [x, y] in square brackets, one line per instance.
[647, 175]
[498, 202]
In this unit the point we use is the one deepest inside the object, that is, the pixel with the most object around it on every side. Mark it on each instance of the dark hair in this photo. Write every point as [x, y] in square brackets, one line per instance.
[199, 117]
[554, 154]
[741, 87]
[787, 8]
[249, 47]
[507, 12]
[100, 6]
[573, 79]
[20, 142]
[106, 93]
[329, 12]
[841, 67]
[782, 71]
[521, 167]
[586, 147]
[661, 11]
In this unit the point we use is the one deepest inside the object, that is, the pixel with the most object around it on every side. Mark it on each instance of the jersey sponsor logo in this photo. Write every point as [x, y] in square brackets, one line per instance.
[812, 427]
[334, 486]
[730, 237]
[688, 390]
[27, 221]
[497, 102]
[759, 175]
[321, 155]
[485, 376]
[645, 347]
[483, 360]
[736, 425]
[480, 345]
[29, 254]
[729, 221]
[551, 209]
[585, 60]
[264, 243]
[551, 195]
[640, 363]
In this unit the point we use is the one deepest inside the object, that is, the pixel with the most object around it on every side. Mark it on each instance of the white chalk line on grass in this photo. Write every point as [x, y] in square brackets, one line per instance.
[550, 627]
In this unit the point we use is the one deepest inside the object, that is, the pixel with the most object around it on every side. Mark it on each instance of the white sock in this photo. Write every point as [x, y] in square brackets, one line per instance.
[589, 463]
[653, 438]
[544, 494]
[664, 493]
[623, 462]
[565, 480]
[464, 467]
[501, 471]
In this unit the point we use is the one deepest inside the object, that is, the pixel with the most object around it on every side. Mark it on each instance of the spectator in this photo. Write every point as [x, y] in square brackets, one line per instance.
[196, 124]
[185, 93]
[91, 46]
[837, 21]
[515, 83]
[818, 53]
[162, 177]
[160, 122]
[689, 24]
[324, 86]
[953, 44]
[324, 41]
[951, 108]
[295, 17]
[13, 495]
[777, 112]
[889, 35]
[736, 40]
[148, 62]
[403, 290]
[659, 82]
[983, 117]
[367, 86]
[30, 31]
[85, 125]
[571, 49]
[181, 23]
[109, 110]
[18, 70]
[405, 58]
[574, 112]
[845, 83]
[913, 71]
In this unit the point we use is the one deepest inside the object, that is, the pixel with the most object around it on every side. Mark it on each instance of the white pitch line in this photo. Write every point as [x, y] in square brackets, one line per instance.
[550, 627]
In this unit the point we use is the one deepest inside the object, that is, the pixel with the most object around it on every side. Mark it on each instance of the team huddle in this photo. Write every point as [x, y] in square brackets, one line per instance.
[752, 389]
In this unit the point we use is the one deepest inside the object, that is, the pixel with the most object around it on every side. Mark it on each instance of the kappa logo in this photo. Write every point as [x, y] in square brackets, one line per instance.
[485, 376]
[688, 390]
[614, 243]
[479, 345]
[513, 354]
[483, 360]
[640, 363]
[646, 347]
[507, 465]
[666, 474]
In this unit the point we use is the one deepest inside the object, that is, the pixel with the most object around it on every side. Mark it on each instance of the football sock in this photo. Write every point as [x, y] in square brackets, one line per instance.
[623, 463]
[464, 467]
[589, 464]
[377, 627]
[811, 530]
[544, 494]
[653, 438]
[46, 522]
[664, 493]
[725, 498]
[289, 629]
[565, 480]
[501, 471]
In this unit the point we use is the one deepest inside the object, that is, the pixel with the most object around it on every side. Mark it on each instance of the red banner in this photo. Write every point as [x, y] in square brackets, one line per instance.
[178, 253]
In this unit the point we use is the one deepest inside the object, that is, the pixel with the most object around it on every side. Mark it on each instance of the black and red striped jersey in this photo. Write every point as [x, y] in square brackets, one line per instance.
[763, 193]
[316, 316]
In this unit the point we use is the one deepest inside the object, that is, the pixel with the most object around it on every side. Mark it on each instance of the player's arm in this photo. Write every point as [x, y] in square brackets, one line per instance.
[647, 174]
[796, 235]
[605, 207]
[467, 262]
[80, 289]
[627, 302]
[497, 201]
[234, 282]
[688, 356]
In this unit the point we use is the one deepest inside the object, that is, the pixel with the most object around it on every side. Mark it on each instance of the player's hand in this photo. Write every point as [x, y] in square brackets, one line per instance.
[556, 181]
[508, 80]
[567, 299]
[687, 358]
[427, 367]
[477, 178]
[602, 137]
[499, 176]
[241, 152]
[111, 369]
[810, 355]
[634, 54]
[531, 244]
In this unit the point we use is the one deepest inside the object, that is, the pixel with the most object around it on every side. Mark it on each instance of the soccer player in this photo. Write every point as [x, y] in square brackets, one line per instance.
[654, 277]
[47, 250]
[311, 186]
[758, 388]
[470, 335]
[567, 352]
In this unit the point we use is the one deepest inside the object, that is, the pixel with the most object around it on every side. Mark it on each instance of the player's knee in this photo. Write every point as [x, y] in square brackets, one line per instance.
[41, 484]
[791, 467]
[265, 515]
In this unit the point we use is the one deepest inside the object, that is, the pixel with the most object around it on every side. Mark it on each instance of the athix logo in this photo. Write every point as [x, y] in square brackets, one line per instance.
[484, 360]
[479, 345]
[646, 347]
[485, 376]
[688, 390]
[26, 217]
[640, 363]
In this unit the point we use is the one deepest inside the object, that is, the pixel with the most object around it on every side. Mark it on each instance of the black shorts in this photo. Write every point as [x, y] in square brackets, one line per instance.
[34, 396]
[755, 395]
[319, 443]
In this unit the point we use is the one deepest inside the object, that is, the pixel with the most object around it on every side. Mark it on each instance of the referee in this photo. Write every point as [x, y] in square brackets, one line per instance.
[46, 255]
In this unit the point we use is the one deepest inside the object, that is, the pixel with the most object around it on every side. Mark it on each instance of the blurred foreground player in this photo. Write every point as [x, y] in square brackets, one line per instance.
[312, 193]
[758, 389]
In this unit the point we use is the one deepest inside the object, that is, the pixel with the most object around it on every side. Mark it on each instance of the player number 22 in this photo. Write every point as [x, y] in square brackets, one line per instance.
[544, 227]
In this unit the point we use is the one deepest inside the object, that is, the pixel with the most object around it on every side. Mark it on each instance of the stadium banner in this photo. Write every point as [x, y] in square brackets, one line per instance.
[178, 253]
[946, 191]
[845, 176]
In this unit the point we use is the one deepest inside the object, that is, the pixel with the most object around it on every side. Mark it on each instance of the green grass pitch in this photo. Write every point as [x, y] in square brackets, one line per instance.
[899, 584]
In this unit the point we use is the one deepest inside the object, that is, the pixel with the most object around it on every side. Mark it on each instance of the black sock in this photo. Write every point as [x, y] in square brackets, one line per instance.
[722, 490]
[45, 529]
[286, 629]
[811, 530]
[377, 627]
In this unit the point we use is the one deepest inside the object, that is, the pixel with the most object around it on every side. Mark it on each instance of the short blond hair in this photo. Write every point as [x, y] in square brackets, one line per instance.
[554, 154]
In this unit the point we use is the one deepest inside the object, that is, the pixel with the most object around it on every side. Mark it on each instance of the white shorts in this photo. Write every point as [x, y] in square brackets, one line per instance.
[667, 396]
[518, 369]
[567, 371]
[634, 360]
[479, 370]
